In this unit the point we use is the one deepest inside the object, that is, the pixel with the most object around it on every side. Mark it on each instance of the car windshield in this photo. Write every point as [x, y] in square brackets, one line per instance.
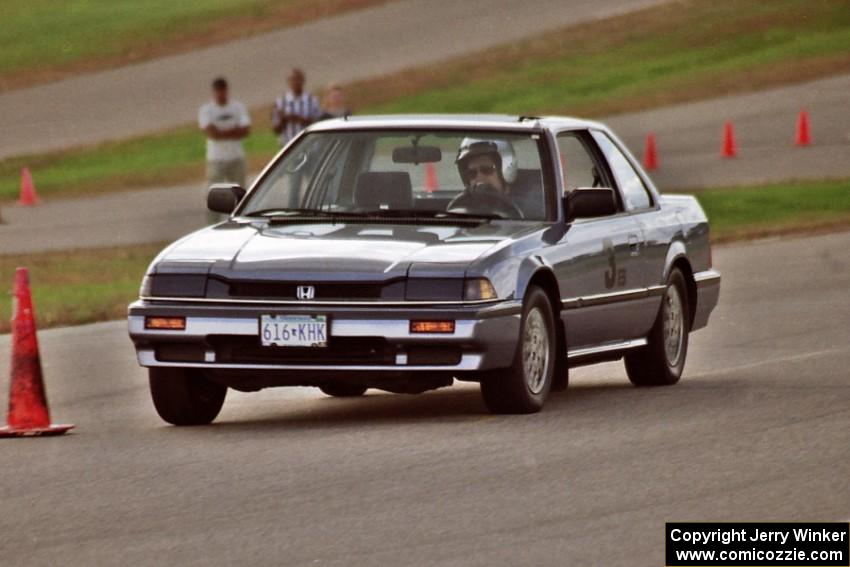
[396, 173]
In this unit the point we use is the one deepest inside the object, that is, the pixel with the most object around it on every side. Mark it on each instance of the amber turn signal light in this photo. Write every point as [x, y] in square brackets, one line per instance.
[166, 323]
[476, 289]
[432, 326]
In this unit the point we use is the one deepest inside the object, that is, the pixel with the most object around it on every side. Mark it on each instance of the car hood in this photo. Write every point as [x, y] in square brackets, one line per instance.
[325, 251]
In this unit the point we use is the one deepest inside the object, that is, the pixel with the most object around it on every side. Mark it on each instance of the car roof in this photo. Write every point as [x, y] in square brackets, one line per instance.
[456, 121]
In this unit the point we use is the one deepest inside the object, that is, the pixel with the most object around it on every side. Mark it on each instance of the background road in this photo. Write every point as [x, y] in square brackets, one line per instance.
[688, 135]
[757, 431]
[375, 41]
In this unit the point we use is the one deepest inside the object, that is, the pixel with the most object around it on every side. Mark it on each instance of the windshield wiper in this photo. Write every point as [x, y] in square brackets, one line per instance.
[426, 214]
[454, 214]
[290, 215]
[283, 213]
[396, 213]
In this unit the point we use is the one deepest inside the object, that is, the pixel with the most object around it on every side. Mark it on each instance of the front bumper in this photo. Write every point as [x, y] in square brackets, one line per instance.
[485, 337]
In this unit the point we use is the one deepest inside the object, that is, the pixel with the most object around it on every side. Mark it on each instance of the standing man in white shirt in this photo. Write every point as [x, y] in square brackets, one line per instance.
[226, 123]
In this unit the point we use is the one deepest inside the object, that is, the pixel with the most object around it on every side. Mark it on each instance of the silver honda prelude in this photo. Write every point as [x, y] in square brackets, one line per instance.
[405, 252]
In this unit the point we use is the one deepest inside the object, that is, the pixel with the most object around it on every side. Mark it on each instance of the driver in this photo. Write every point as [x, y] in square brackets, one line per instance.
[491, 166]
[483, 163]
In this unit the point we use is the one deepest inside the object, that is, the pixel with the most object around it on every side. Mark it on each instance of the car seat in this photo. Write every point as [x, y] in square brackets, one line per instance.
[383, 190]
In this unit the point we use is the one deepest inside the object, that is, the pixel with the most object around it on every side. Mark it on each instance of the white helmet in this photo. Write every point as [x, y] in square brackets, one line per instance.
[503, 152]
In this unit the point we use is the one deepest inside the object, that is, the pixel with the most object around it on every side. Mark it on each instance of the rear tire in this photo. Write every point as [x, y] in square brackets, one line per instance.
[561, 375]
[662, 360]
[343, 390]
[183, 396]
[524, 386]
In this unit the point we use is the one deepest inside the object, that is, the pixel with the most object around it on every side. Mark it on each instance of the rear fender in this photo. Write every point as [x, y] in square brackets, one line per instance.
[676, 250]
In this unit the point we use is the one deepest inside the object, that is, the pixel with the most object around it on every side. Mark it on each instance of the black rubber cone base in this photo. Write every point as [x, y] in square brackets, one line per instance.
[51, 430]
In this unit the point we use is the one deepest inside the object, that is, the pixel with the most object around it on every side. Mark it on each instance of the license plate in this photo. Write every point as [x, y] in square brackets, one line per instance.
[294, 330]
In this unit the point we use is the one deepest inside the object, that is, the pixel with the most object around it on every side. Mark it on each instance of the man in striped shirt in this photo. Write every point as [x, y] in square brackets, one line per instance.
[295, 110]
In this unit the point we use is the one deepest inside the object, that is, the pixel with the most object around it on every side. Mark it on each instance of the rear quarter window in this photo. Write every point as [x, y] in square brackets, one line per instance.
[634, 192]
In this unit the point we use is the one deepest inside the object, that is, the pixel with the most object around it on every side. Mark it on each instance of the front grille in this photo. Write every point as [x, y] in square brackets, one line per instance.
[340, 350]
[323, 291]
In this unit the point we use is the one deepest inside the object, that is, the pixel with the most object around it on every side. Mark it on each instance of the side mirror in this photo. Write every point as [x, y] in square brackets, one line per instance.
[586, 202]
[223, 197]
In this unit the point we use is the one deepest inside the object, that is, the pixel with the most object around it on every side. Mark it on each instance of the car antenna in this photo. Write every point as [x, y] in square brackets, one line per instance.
[523, 118]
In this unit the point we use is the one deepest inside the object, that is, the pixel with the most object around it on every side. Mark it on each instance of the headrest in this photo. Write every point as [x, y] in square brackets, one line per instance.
[529, 179]
[383, 190]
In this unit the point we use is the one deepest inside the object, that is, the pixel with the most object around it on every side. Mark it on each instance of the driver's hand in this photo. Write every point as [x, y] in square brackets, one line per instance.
[482, 187]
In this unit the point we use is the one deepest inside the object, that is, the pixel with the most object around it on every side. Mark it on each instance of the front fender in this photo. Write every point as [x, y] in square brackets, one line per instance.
[530, 267]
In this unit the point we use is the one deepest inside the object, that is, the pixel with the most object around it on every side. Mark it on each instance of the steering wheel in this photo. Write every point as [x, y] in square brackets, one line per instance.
[484, 199]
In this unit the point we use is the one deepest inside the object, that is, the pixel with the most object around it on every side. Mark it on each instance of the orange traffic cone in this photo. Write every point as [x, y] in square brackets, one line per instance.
[28, 196]
[804, 137]
[729, 149]
[431, 183]
[650, 156]
[28, 413]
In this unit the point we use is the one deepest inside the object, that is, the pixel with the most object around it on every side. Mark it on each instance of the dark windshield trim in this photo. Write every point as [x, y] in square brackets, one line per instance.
[500, 128]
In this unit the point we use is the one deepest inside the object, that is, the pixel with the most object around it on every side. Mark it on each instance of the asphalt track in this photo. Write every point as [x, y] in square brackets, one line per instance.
[166, 92]
[690, 136]
[758, 430]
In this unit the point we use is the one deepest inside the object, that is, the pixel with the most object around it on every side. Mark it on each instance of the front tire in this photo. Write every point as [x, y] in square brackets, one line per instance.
[662, 360]
[524, 386]
[183, 396]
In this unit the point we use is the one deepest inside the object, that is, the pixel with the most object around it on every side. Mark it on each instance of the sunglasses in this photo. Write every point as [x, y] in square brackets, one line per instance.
[482, 169]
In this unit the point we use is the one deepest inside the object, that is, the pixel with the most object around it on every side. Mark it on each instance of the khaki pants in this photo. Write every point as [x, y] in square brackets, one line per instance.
[232, 171]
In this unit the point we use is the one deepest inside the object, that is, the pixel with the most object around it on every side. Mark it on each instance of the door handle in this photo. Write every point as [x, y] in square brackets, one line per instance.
[634, 244]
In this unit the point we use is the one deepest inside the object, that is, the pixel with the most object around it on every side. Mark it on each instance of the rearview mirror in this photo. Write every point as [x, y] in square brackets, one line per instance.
[586, 202]
[223, 197]
[417, 154]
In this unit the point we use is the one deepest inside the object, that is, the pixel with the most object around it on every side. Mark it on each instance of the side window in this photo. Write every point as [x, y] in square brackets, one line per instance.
[577, 165]
[634, 191]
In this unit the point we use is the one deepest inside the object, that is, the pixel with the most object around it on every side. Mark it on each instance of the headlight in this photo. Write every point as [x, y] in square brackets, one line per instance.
[477, 289]
[433, 289]
[174, 285]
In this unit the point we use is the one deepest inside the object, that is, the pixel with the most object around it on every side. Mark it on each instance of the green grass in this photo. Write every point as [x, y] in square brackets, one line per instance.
[741, 212]
[43, 39]
[670, 53]
[78, 286]
[45, 31]
[83, 286]
[167, 158]
[137, 162]
[654, 57]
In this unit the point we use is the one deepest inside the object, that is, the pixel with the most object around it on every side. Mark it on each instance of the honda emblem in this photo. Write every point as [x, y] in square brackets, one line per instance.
[305, 292]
